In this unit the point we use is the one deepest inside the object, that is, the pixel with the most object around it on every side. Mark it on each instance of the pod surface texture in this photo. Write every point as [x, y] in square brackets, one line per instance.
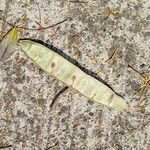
[63, 70]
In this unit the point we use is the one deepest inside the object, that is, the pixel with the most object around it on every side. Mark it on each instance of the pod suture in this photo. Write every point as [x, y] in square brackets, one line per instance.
[53, 61]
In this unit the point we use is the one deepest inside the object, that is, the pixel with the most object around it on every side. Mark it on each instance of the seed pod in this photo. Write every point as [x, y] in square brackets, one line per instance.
[56, 65]
[8, 44]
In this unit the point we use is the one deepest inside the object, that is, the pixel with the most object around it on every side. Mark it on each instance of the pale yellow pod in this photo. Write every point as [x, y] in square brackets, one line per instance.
[8, 44]
[56, 65]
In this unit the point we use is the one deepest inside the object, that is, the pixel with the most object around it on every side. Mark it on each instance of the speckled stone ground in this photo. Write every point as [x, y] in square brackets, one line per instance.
[94, 32]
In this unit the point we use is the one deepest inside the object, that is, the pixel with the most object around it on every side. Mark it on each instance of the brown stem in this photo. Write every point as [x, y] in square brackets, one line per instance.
[7, 146]
[50, 26]
[112, 56]
[57, 95]
[78, 2]
[5, 34]
[141, 74]
[144, 88]
[51, 146]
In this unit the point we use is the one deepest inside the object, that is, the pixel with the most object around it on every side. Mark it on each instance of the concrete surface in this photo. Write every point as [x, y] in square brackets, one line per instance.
[92, 33]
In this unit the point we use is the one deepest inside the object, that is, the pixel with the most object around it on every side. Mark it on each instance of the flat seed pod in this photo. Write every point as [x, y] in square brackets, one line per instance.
[56, 65]
[8, 44]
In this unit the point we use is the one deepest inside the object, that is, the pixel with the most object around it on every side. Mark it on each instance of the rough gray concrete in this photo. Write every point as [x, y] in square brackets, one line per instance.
[92, 33]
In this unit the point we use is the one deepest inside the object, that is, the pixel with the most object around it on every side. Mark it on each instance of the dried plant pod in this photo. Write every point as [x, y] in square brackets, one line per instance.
[63, 70]
[8, 44]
